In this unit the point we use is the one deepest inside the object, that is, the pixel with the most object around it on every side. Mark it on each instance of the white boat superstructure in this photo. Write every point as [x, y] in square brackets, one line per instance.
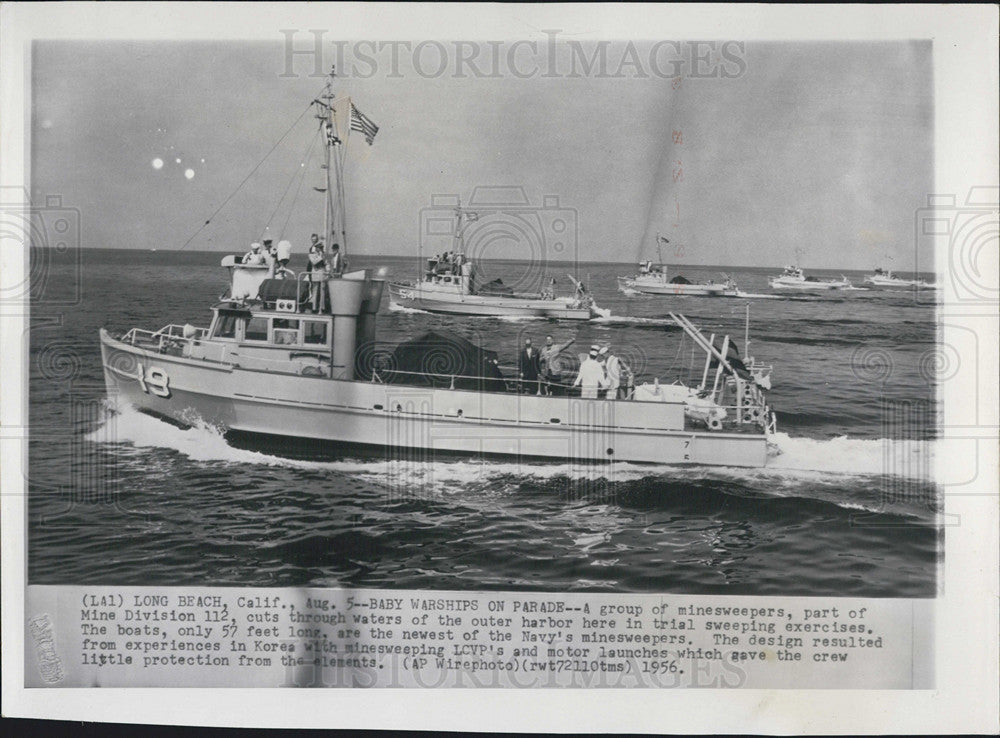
[793, 278]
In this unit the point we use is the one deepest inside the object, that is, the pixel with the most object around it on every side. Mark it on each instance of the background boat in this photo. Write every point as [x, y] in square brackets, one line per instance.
[451, 284]
[654, 279]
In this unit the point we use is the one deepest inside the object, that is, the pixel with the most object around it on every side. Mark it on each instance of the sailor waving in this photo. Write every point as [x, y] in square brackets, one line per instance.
[591, 376]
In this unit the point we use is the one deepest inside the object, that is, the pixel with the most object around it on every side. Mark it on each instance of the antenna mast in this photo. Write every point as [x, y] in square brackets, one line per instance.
[333, 210]
[459, 229]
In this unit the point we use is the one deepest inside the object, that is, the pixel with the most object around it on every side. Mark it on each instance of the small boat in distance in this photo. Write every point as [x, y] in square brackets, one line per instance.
[449, 285]
[886, 278]
[652, 279]
[793, 278]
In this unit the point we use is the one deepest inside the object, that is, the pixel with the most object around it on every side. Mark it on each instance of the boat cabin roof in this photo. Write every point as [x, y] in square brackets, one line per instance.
[259, 311]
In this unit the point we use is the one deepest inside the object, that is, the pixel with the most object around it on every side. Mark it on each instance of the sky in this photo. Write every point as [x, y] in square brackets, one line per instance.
[816, 152]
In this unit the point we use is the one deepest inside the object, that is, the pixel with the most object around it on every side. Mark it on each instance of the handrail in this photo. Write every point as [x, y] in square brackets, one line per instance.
[505, 379]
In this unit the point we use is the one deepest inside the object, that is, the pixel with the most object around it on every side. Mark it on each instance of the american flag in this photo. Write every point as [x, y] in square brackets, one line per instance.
[363, 124]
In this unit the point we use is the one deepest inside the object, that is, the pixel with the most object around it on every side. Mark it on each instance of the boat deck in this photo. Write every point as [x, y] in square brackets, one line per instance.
[170, 341]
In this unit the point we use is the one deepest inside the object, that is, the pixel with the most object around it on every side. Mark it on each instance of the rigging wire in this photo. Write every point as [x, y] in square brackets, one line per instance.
[246, 178]
[677, 358]
[299, 172]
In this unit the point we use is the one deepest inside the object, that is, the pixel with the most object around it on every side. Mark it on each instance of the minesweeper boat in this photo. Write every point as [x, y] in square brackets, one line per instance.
[652, 279]
[297, 358]
[449, 286]
[269, 366]
[886, 278]
[793, 278]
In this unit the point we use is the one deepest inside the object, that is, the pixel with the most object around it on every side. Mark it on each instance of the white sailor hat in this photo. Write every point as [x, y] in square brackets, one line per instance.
[255, 246]
[604, 350]
[594, 350]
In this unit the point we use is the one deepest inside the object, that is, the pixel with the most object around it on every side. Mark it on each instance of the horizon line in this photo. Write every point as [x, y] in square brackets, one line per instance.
[553, 262]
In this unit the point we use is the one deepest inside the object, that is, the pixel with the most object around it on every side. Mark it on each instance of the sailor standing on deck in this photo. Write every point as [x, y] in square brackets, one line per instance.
[591, 376]
[317, 275]
[528, 366]
[269, 258]
[335, 263]
[282, 255]
[615, 370]
[551, 365]
[253, 256]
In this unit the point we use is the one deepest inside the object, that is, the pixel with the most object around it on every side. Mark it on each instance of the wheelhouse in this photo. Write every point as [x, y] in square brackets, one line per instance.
[267, 329]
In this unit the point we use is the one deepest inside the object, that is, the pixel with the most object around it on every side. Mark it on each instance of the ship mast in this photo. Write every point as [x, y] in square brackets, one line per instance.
[459, 240]
[334, 210]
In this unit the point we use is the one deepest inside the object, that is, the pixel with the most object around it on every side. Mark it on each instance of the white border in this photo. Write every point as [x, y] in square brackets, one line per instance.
[966, 126]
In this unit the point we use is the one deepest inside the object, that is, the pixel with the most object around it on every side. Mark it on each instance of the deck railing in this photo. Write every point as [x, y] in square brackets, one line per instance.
[168, 334]
[748, 410]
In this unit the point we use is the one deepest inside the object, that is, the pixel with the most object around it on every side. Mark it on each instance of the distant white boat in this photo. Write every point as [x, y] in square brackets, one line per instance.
[449, 286]
[886, 278]
[793, 278]
[652, 279]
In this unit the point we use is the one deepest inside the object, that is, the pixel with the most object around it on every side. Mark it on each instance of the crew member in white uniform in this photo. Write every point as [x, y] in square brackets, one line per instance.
[612, 370]
[268, 255]
[591, 376]
[317, 276]
[253, 256]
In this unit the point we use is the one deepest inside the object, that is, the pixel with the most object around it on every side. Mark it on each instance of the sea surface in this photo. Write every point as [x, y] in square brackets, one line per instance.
[845, 506]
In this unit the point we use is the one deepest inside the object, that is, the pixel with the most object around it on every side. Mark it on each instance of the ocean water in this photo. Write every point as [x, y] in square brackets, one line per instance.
[845, 506]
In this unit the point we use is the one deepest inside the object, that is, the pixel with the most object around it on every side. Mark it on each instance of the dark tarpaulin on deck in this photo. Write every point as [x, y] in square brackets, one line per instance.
[496, 287]
[283, 289]
[680, 280]
[433, 359]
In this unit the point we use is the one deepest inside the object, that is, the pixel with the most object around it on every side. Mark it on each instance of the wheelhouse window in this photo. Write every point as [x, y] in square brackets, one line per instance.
[256, 329]
[285, 331]
[226, 326]
[315, 332]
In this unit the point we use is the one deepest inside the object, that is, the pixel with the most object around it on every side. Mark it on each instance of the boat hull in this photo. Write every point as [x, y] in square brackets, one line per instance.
[485, 305]
[898, 283]
[399, 418]
[805, 286]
